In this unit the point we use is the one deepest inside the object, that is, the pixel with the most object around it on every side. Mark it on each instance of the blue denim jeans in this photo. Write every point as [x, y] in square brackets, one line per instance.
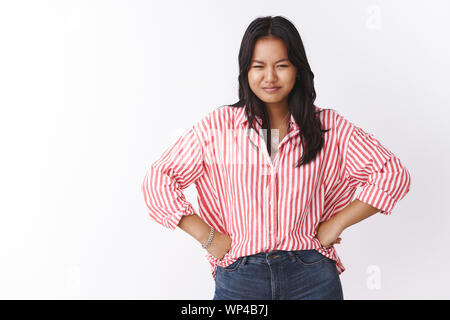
[279, 275]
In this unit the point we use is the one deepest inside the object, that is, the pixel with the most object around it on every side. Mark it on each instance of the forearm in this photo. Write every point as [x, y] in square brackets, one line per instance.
[354, 213]
[196, 227]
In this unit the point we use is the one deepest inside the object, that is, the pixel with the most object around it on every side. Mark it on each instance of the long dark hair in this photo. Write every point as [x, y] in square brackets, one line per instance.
[302, 96]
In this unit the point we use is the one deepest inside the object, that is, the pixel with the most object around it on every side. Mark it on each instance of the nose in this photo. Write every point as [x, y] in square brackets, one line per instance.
[271, 75]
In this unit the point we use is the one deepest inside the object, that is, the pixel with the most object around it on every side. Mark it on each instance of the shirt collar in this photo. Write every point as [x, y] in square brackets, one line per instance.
[241, 119]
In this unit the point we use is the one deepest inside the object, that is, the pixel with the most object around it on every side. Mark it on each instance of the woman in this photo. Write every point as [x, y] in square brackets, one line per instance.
[273, 203]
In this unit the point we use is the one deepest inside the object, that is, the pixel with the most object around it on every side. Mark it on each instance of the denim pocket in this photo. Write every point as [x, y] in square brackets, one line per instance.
[234, 266]
[310, 257]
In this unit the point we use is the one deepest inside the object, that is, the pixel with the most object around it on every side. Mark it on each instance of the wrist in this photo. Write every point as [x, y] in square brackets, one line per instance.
[203, 234]
[207, 239]
[339, 222]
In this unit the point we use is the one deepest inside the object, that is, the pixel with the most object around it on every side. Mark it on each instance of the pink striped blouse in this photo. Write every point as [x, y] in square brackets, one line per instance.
[264, 205]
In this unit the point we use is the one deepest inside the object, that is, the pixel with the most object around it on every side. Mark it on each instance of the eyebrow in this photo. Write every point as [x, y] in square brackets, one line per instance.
[275, 62]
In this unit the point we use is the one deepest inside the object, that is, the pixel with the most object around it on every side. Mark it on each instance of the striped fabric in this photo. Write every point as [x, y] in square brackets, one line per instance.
[264, 205]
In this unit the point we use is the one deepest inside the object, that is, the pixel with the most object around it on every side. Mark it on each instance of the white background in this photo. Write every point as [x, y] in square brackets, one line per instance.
[91, 93]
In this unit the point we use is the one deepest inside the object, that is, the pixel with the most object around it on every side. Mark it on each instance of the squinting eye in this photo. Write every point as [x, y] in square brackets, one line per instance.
[282, 65]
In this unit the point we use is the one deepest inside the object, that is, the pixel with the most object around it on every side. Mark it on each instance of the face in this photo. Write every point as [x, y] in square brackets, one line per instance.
[270, 67]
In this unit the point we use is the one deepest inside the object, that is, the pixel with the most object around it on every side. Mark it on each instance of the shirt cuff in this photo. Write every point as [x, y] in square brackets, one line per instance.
[172, 221]
[378, 198]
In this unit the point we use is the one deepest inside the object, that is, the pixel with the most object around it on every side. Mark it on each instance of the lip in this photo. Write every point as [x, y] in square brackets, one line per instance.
[271, 89]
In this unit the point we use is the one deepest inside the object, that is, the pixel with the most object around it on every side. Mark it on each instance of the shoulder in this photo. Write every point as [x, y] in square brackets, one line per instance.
[218, 118]
[333, 119]
[223, 117]
[327, 116]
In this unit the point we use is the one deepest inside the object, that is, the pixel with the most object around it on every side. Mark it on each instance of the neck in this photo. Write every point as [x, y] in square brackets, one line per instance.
[278, 115]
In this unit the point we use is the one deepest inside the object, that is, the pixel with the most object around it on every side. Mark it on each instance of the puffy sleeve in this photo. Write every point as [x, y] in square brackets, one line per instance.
[179, 166]
[370, 165]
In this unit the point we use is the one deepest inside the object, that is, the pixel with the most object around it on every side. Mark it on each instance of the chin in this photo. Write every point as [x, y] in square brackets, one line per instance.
[271, 99]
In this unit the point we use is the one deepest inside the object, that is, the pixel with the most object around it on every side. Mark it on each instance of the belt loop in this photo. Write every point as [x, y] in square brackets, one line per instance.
[244, 260]
[291, 254]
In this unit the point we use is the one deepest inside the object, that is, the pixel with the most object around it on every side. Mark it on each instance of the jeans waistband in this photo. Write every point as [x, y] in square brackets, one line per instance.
[269, 257]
